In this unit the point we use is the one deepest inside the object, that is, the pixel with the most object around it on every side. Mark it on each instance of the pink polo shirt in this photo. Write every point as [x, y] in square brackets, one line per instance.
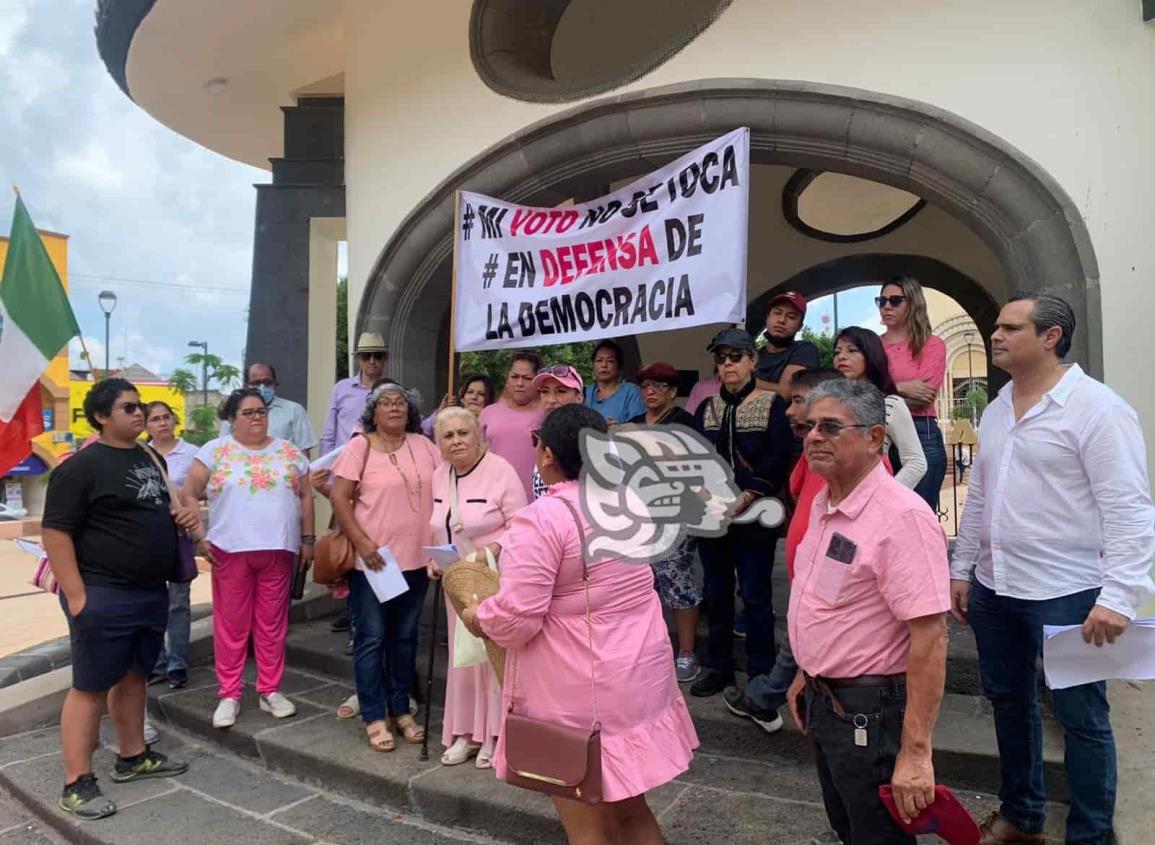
[848, 620]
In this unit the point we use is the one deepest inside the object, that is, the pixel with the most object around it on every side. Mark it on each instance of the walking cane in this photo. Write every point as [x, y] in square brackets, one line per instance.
[429, 673]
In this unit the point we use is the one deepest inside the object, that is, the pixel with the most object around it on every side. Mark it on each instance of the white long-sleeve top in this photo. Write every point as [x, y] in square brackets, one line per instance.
[1059, 501]
[901, 432]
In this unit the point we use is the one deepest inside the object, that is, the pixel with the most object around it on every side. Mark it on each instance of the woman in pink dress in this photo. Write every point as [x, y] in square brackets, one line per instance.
[539, 615]
[476, 492]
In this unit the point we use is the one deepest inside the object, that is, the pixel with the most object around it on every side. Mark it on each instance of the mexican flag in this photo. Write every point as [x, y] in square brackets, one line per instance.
[36, 322]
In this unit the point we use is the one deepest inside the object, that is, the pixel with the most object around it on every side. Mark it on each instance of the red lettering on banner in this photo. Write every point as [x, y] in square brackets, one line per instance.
[527, 221]
[567, 264]
[520, 215]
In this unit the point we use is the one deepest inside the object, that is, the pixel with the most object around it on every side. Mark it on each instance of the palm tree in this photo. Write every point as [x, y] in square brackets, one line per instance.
[227, 375]
[182, 381]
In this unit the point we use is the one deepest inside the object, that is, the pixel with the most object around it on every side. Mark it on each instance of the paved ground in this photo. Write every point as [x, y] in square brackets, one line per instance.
[28, 616]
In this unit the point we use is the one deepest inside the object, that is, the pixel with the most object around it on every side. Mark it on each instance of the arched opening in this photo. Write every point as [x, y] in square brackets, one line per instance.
[1004, 199]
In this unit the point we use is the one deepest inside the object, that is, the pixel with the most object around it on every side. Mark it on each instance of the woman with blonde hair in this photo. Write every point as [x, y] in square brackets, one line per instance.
[476, 493]
[918, 365]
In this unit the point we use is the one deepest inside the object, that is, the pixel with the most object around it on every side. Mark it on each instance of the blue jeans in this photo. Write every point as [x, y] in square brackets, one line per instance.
[174, 657]
[1009, 634]
[748, 551]
[930, 436]
[385, 645]
[768, 692]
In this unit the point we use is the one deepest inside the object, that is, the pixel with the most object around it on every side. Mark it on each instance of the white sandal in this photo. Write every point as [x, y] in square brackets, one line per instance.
[458, 753]
[350, 708]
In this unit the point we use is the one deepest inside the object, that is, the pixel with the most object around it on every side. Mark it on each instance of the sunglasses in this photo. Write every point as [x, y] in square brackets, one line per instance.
[371, 356]
[894, 301]
[131, 408]
[733, 356]
[557, 370]
[654, 385]
[254, 413]
[831, 428]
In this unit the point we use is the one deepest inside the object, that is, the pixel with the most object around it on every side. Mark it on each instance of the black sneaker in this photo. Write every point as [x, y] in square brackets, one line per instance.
[341, 623]
[738, 704]
[84, 799]
[711, 683]
[150, 764]
[177, 679]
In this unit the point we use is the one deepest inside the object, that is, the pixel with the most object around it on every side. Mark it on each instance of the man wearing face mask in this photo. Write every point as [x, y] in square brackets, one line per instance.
[287, 419]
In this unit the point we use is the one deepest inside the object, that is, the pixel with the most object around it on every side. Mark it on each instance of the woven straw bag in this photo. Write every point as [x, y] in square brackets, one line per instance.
[466, 582]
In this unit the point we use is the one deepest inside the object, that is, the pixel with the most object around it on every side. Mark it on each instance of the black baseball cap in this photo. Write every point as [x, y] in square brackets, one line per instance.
[735, 338]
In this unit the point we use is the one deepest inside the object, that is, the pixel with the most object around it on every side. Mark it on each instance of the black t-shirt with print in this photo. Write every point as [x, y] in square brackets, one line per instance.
[114, 504]
[771, 363]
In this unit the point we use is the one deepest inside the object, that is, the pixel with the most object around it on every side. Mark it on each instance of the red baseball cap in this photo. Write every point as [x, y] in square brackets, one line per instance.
[794, 298]
[946, 817]
[563, 374]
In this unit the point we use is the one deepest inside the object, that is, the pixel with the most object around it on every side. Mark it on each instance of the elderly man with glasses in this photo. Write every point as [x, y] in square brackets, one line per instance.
[867, 622]
[347, 402]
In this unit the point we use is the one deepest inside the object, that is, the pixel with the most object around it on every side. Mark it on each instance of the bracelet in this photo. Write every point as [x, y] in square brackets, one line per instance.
[308, 539]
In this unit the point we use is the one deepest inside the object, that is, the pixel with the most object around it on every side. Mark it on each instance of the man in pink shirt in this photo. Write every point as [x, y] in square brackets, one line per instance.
[507, 424]
[867, 622]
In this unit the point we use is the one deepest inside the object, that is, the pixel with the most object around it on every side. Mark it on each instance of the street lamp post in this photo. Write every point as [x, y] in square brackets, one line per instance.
[969, 337]
[204, 346]
[107, 301]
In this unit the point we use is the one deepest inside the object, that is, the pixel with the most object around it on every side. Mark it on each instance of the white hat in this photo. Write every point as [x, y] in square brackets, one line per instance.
[371, 342]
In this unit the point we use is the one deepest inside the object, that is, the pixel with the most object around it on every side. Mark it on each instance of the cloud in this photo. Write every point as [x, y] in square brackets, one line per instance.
[90, 167]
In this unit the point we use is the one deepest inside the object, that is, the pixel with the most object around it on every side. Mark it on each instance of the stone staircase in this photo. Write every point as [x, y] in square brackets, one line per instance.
[745, 787]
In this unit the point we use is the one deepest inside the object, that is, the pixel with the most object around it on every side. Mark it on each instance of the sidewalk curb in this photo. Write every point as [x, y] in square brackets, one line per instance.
[36, 702]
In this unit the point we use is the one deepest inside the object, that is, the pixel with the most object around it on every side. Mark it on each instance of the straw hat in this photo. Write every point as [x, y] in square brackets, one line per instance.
[371, 342]
[465, 583]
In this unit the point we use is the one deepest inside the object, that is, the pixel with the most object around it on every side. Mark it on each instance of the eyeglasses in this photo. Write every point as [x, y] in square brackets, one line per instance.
[654, 385]
[831, 428]
[535, 436]
[161, 418]
[733, 356]
[392, 404]
[254, 413]
[894, 301]
[131, 408]
[371, 356]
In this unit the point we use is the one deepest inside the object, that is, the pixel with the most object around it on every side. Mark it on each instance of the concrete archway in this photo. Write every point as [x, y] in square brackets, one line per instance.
[1002, 195]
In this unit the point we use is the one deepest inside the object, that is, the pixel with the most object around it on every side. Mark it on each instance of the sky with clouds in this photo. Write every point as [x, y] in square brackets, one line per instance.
[152, 216]
[162, 222]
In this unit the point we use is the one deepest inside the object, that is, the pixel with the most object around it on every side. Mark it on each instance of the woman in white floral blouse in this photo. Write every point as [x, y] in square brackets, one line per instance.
[260, 518]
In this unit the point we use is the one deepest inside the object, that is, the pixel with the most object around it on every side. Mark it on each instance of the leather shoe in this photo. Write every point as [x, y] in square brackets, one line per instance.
[998, 831]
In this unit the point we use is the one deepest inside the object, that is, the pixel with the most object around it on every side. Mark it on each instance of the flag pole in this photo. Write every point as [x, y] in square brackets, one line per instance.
[453, 298]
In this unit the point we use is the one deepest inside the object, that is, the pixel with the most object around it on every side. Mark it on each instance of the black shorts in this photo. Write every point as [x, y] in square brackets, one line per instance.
[120, 630]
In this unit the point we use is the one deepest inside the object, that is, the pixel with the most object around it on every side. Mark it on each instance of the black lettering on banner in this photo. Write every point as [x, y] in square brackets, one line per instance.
[685, 304]
[688, 179]
[520, 270]
[502, 329]
[729, 168]
[541, 312]
[563, 316]
[638, 315]
[657, 289]
[491, 218]
[602, 301]
[683, 238]
[621, 305]
[525, 319]
[585, 311]
[709, 183]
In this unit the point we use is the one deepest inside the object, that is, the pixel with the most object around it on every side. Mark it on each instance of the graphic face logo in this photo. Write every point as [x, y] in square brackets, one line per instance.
[646, 487]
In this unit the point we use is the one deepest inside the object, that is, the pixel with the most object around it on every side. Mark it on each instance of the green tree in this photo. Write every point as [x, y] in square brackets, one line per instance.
[226, 375]
[342, 328]
[495, 363]
[971, 407]
[825, 344]
[183, 381]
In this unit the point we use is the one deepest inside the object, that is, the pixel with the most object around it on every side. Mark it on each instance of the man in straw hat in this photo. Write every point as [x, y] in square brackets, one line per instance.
[350, 394]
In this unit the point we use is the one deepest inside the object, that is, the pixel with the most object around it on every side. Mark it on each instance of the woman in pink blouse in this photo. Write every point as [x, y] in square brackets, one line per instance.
[539, 615]
[917, 364]
[393, 465]
[475, 495]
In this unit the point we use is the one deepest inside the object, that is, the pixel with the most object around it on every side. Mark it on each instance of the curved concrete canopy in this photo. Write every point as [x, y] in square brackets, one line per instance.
[1002, 195]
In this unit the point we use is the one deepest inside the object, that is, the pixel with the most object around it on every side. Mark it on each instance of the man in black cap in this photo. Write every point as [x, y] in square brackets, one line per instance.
[748, 427]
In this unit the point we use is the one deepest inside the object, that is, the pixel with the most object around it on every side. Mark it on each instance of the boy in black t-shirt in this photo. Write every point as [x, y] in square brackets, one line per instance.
[110, 531]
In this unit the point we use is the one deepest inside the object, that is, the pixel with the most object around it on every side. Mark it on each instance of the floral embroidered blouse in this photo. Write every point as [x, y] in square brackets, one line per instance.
[254, 495]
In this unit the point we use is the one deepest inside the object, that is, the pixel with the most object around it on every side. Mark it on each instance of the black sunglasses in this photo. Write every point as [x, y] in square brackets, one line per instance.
[894, 301]
[556, 370]
[371, 356]
[131, 408]
[831, 428]
[733, 356]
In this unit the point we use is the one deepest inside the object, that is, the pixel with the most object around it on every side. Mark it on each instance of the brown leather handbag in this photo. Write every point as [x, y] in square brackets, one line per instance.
[551, 758]
[334, 555]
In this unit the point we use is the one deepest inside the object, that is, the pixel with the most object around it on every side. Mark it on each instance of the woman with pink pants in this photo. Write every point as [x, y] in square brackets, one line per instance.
[260, 518]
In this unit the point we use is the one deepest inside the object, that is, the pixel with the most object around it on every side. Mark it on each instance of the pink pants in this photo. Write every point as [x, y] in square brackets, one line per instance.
[250, 596]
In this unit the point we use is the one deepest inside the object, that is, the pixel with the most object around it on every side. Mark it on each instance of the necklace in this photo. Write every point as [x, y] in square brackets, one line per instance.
[415, 507]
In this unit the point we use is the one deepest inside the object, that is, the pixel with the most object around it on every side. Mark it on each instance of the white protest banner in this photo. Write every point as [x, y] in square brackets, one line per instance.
[665, 252]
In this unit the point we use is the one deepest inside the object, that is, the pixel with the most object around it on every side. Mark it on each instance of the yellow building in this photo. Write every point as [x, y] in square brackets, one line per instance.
[152, 388]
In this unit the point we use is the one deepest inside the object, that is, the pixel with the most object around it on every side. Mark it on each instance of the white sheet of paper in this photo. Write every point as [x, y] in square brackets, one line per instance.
[327, 460]
[1068, 661]
[444, 556]
[387, 582]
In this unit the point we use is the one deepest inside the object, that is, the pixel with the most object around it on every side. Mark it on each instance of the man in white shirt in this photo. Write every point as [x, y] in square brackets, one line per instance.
[287, 419]
[1058, 529]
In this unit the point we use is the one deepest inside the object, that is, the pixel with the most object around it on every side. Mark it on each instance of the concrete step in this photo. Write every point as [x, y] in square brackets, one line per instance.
[763, 791]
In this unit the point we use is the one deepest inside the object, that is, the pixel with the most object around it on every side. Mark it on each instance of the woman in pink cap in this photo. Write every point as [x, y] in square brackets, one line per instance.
[581, 652]
[558, 385]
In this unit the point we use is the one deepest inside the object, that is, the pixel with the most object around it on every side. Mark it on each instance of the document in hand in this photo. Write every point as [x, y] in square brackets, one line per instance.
[1068, 661]
[444, 556]
[387, 582]
[327, 460]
